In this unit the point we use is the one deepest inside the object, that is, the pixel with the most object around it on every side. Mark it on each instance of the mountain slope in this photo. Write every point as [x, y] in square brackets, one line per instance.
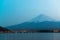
[40, 22]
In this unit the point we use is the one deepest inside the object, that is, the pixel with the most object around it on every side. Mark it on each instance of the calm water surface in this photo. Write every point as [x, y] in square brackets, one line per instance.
[30, 36]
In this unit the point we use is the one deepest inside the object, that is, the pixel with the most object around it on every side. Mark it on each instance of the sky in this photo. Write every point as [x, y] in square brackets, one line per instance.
[17, 11]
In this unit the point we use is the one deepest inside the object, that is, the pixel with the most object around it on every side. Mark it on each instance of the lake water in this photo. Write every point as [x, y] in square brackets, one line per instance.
[30, 36]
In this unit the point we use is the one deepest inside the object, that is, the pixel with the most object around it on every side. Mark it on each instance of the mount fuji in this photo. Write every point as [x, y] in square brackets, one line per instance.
[41, 18]
[41, 22]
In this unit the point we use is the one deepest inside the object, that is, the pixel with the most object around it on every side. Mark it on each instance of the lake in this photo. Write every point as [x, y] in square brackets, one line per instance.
[29, 36]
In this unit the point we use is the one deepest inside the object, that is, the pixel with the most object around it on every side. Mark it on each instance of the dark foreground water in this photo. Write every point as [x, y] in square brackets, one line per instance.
[30, 36]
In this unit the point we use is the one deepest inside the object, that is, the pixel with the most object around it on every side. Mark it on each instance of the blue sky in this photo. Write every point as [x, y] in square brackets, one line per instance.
[17, 11]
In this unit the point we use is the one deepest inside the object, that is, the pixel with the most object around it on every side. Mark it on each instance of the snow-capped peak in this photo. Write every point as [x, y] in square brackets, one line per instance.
[41, 18]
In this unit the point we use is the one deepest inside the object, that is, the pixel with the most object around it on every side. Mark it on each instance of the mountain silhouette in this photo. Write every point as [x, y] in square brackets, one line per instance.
[40, 22]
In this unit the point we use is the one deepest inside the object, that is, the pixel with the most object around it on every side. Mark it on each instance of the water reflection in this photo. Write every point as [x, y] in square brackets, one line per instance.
[27, 36]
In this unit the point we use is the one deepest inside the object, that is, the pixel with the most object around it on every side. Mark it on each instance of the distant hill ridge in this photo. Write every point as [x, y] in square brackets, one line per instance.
[3, 29]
